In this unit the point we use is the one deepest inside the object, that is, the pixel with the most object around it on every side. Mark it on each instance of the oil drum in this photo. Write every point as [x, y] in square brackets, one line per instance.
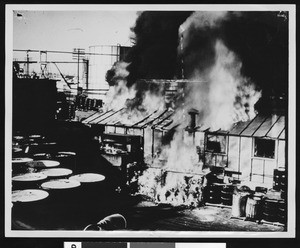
[282, 216]
[37, 165]
[17, 152]
[36, 138]
[41, 156]
[279, 179]
[254, 207]
[88, 104]
[28, 181]
[67, 159]
[226, 194]
[27, 202]
[19, 165]
[28, 195]
[92, 186]
[239, 201]
[56, 173]
[93, 104]
[61, 190]
[49, 147]
[271, 210]
[212, 193]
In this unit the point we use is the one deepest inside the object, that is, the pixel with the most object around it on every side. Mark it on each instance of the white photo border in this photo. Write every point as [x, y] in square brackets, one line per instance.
[290, 233]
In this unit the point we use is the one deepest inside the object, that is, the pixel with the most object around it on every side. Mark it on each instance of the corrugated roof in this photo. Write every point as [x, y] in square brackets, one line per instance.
[254, 126]
[272, 126]
[277, 128]
[91, 119]
[261, 126]
[266, 126]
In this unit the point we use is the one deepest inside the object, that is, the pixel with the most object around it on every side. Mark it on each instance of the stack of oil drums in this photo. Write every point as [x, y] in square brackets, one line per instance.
[274, 209]
[44, 174]
[36, 160]
[280, 182]
[217, 191]
[275, 201]
[86, 103]
[212, 191]
[259, 205]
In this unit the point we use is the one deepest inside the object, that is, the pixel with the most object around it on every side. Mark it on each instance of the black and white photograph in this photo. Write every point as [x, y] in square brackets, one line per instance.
[150, 121]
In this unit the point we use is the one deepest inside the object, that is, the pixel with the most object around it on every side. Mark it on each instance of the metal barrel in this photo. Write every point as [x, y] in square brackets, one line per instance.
[28, 181]
[56, 173]
[279, 180]
[41, 156]
[226, 194]
[254, 208]
[271, 210]
[37, 165]
[17, 152]
[92, 186]
[19, 165]
[66, 159]
[282, 213]
[61, 190]
[212, 194]
[27, 204]
[239, 201]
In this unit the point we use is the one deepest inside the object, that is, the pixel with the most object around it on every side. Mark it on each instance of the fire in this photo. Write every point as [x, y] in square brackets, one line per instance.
[219, 93]
[223, 97]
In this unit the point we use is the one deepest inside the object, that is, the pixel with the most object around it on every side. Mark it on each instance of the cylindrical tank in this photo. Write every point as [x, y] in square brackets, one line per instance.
[99, 65]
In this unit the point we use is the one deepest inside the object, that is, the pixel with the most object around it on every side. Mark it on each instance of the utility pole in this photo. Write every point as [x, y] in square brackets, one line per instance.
[77, 67]
[27, 64]
[78, 53]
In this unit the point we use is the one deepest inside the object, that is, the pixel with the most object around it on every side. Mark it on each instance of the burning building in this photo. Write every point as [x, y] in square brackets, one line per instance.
[204, 124]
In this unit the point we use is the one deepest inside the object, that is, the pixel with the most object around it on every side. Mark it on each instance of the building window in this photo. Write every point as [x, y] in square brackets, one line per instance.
[264, 148]
[216, 144]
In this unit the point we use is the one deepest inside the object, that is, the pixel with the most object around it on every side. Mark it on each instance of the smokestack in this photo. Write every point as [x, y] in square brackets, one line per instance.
[192, 126]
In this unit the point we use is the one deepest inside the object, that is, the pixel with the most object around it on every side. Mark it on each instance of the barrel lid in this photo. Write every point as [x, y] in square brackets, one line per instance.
[88, 177]
[109, 141]
[29, 195]
[272, 200]
[35, 136]
[43, 163]
[258, 194]
[28, 177]
[56, 172]
[60, 184]
[40, 154]
[49, 143]
[16, 149]
[22, 160]
[34, 143]
[66, 153]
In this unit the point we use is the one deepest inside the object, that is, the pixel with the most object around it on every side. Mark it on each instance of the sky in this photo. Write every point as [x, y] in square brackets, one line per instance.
[65, 30]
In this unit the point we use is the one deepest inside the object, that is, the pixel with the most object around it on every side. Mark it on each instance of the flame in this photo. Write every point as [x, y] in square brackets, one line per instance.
[218, 91]
[223, 96]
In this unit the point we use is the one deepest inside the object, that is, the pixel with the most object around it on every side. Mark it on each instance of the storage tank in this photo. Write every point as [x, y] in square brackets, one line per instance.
[101, 59]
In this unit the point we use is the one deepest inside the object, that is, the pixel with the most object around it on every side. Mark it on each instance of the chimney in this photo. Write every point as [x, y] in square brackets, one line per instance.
[192, 126]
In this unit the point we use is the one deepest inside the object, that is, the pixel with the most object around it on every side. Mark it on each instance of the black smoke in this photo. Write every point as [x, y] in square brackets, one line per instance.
[259, 39]
[154, 54]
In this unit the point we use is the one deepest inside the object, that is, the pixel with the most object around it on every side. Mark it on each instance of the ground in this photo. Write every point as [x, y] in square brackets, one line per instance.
[74, 210]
